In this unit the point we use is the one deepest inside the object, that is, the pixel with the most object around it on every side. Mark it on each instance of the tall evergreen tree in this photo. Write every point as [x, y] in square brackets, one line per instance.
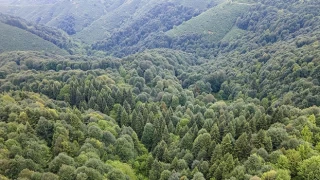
[242, 147]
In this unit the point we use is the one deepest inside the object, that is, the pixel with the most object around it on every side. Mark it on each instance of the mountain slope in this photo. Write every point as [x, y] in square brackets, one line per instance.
[83, 17]
[215, 23]
[127, 14]
[51, 34]
[164, 27]
[15, 39]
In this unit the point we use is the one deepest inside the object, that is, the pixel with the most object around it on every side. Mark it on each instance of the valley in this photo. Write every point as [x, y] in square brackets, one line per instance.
[225, 90]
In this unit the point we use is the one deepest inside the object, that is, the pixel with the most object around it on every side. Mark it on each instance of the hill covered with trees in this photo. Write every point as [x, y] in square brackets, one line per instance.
[93, 20]
[165, 99]
[19, 34]
[13, 39]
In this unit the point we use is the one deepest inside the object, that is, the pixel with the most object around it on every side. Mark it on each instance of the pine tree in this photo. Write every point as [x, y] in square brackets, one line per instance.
[134, 120]
[242, 147]
[92, 102]
[127, 106]
[157, 137]
[73, 93]
[227, 144]
[306, 134]
[187, 141]
[139, 125]
[156, 169]
[159, 151]
[124, 119]
[268, 144]
[199, 119]
[171, 128]
[215, 134]
[166, 135]
[130, 99]
[79, 97]
[110, 102]
[118, 109]
[227, 165]
[201, 144]
[147, 136]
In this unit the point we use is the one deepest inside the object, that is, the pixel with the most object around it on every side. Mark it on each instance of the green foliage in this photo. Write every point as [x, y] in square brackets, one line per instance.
[86, 19]
[59, 160]
[215, 23]
[116, 174]
[22, 39]
[64, 44]
[67, 172]
[308, 169]
[241, 147]
[243, 107]
[124, 148]
[277, 175]
[147, 136]
[126, 169]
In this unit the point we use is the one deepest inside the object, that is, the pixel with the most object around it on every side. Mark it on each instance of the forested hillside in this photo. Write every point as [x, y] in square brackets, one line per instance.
[92, 20]
[14, 39]
[23, 32]
[226, 91]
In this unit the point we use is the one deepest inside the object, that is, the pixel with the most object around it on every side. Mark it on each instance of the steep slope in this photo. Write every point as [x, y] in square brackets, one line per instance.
[275, 55]
[215, 23]
[127, 14]
[161, 18]
[51, 34]
[15, 39]
[89, 20]
[171, 26]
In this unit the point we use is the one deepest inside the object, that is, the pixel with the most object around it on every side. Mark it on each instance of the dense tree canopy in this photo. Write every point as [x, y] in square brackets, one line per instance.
[244, 108]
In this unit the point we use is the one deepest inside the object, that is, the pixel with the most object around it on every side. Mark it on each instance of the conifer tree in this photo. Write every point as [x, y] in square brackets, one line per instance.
[242, 147]
[227, 144]
[147, 136]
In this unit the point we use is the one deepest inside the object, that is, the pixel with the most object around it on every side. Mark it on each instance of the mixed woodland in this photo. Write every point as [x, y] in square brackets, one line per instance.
[153, 102]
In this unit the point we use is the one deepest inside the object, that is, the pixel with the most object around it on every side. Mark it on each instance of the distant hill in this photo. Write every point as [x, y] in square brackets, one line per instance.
[90, 20]
[215, 22]
[171, 26]
[16, 39]
[54, 35]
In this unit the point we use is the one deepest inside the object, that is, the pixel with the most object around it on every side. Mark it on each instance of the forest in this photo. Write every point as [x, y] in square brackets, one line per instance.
[153, 102]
